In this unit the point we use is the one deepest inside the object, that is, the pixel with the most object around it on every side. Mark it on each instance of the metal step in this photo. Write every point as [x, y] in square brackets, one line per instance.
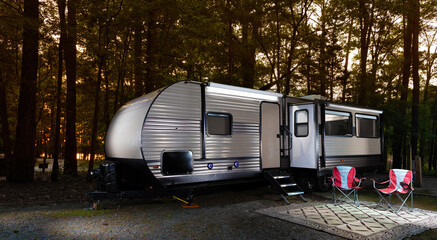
[288, 185]
[280, 177]
[294, 193]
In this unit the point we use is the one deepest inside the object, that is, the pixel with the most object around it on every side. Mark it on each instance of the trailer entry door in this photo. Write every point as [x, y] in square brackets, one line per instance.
[270, 141]
[302, 136]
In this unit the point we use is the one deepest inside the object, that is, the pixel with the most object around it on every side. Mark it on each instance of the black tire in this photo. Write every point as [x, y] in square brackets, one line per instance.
[308, 184]
[323, 183]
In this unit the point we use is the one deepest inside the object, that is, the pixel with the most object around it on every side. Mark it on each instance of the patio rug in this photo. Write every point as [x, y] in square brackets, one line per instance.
[363, 222]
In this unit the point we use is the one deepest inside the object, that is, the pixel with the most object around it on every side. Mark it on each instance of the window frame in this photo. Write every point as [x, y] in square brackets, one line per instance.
[378, 130]
[298, 124]
[219, 114]
[351, 128]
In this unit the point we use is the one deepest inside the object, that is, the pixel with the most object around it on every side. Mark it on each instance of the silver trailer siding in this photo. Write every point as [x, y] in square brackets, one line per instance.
[221, 132]
[123, 139]
[173, 123]
[353, 150]
[175, 119]
[320, 150]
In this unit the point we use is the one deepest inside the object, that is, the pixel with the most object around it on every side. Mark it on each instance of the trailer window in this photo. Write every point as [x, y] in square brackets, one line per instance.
[219, 123]
[301, 123]
[367, 125]
[338, 123]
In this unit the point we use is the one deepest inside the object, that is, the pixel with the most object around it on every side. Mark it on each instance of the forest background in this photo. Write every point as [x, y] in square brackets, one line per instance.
[67, 66]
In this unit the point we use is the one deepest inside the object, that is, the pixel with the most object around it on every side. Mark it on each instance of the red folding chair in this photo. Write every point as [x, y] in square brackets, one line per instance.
[344, 180]
[400, 182]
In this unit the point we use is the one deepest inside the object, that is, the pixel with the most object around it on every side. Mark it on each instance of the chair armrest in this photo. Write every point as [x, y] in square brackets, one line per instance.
[360, 180]
[332, 179]
[406, 186]
[380, 183]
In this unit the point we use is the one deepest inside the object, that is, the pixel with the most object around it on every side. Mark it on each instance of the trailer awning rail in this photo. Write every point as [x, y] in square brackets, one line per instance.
[354, 108]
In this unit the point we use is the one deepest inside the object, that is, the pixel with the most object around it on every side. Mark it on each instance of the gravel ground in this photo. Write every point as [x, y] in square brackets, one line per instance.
[45, 210]
[220, 215]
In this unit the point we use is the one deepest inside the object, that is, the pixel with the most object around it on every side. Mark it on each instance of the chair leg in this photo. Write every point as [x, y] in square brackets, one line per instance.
[382, 198]
[333, 196]
[356, 198]
[344, 197]
[404, 201]
[412, 201]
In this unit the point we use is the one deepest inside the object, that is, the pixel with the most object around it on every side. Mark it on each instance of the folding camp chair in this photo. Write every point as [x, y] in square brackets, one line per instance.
[400, 182]
[344, 181]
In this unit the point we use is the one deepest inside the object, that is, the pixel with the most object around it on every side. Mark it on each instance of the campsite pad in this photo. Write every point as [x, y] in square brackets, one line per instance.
[363, 222]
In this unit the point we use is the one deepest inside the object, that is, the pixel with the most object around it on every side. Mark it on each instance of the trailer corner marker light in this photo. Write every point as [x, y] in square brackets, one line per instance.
[210, 165]
[236, 164]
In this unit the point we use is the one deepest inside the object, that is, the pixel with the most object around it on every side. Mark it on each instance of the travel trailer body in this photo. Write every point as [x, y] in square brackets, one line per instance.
[192, 133]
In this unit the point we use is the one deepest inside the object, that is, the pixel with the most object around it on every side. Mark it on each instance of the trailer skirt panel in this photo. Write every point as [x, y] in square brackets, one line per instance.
[360, 161]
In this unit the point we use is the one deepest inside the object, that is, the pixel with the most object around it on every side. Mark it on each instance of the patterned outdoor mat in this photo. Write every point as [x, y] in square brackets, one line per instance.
[363, 222]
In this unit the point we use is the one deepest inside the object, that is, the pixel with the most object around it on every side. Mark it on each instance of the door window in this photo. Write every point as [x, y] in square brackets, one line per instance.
[301, 123]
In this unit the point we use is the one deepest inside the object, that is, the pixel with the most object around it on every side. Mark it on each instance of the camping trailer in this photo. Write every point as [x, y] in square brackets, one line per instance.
[192, 133]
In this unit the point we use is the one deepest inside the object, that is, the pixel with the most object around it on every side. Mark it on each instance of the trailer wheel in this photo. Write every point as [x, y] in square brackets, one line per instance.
[307, 184]
[323, 183]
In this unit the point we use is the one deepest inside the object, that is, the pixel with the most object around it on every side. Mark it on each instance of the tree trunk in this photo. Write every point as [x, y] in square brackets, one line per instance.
[365, 29]
[433, 145]
[95, 117]
[430, 58]
[70, 162]
[230, 49]
[308, 69]
[121, 73]
[278, 43]
[248, 53]
[106, 117]
[416, 80]
[400, 129]
[150, 52]
[22, 164]
[322, 57]
[346, 71]
[138, 54]
[6, 135]
[55, 168]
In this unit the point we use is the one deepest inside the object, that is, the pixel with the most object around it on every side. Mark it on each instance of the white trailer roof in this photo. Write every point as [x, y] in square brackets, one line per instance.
[244, 92]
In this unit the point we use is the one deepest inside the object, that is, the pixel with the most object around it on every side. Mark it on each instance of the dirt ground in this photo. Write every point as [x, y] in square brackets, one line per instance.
[43, 192]
[46, 210]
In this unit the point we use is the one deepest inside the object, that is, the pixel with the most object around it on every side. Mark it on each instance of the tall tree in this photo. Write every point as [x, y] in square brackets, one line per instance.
[247, 58]
[62, 26]
[70, 162]
[230, 34]
[22, 164]
[416, 80]
[151, 45]
[399, 131]
[4, 122]
[366, 22]
[433, 144]
[322, 42]
[138, 54]
[346, 73]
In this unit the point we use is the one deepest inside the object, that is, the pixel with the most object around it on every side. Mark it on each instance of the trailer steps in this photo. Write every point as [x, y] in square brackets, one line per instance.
[284, 184]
